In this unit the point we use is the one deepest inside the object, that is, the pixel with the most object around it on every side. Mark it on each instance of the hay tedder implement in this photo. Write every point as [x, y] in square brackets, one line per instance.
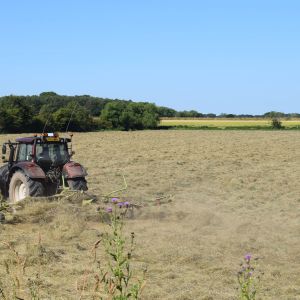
[39, 166]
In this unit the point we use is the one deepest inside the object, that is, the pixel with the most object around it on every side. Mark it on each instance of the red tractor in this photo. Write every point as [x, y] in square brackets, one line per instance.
[39, 166]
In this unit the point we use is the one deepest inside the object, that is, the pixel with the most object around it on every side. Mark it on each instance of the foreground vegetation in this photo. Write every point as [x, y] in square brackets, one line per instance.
[109, 276]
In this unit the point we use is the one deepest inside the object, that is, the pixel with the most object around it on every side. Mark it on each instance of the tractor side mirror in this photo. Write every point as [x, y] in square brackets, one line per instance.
[3, 153]
[3, 149]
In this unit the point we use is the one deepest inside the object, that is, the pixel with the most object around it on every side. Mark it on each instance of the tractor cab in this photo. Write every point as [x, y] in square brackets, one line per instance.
[47, 150]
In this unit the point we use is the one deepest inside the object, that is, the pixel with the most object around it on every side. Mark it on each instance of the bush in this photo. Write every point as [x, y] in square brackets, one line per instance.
[276, 123]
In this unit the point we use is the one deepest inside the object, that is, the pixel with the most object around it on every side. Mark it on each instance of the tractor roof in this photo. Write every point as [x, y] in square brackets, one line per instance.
[27, 140]
[46, 137]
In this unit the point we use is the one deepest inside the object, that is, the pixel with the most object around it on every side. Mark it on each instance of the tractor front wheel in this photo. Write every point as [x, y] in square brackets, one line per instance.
[77, 184]
[21, 186]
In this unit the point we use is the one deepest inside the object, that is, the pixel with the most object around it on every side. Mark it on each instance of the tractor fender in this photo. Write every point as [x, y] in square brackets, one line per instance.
[30, 169]
[73, 170]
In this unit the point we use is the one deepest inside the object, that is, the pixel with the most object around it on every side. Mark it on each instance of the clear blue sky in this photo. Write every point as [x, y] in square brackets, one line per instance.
[213, 56]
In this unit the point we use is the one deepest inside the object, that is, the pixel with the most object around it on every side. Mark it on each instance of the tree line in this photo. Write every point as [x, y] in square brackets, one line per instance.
[53, 112]
[165, 112]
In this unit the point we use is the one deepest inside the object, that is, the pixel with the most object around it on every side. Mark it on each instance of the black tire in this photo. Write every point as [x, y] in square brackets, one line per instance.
[21, 186]
[77, 184]
[4, 171]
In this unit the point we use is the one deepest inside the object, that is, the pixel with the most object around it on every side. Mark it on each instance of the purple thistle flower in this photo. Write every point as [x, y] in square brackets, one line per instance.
[108, 209]
[114, 200]
[247, 257]
[127, 204]
[120, 204]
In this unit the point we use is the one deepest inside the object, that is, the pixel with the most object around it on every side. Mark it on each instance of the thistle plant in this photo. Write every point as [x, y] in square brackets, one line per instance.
[117, 275]
[248, 279]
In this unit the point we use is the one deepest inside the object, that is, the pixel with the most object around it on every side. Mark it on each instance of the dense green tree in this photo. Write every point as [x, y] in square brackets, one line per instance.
[111, 114]
[166, 112]
[189, 114]
[274, 114]
[150, 117]
[210, 115]
[48, 94]
[228, 116]
[15, 115]
[294, 115]
[5, 120]
[77, 116]
[128, 120]
[130, 115]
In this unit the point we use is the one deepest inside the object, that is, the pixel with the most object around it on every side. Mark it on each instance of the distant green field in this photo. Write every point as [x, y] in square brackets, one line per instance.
[226, 123]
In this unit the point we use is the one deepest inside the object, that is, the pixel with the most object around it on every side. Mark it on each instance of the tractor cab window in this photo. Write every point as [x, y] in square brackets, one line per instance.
[24, 152]
[51, 153]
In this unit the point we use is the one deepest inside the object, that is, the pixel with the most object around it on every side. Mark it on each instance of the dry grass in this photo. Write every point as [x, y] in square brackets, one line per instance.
[232, 193]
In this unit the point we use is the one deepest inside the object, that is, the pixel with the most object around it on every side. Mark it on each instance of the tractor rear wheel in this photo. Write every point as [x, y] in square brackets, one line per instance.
[21, 186]
[77, 184]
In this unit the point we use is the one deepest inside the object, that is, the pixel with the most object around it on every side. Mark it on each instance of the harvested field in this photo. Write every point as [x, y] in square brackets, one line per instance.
[225, 123]
[232, 192]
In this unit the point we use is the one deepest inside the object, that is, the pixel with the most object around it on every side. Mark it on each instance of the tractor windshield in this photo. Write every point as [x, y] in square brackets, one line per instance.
[51, 153]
